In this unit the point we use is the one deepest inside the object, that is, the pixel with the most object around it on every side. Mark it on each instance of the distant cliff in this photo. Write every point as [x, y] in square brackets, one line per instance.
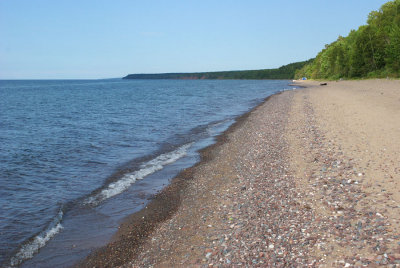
[283, 72]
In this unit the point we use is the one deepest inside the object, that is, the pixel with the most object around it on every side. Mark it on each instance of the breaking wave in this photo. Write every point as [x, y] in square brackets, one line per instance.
[36, 243]
[146, 169]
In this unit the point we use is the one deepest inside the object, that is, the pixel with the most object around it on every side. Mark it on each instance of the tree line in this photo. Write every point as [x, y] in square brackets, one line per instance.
[372, 51]
[283, 72]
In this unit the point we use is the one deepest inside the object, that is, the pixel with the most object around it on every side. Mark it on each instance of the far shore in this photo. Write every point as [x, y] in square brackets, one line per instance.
[309, 177]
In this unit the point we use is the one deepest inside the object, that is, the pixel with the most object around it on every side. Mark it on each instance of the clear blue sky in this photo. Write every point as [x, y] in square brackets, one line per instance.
[51, 39]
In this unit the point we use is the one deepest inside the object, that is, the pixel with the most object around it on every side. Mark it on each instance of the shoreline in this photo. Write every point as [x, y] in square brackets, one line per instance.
[193, 123]
[136, 228]
[308, 177]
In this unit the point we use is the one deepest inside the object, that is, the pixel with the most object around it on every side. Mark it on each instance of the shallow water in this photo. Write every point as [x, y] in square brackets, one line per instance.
[77, 156]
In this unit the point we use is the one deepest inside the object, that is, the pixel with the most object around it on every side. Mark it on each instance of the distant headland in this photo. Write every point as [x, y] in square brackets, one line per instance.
[283, 72]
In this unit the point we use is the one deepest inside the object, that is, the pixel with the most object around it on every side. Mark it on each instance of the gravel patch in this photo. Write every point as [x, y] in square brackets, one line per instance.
[274, 191]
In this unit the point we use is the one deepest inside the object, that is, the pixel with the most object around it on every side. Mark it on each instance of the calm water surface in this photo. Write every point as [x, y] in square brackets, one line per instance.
[77, 156]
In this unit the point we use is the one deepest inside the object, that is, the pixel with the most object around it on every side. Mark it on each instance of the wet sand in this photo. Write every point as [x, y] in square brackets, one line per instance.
[310, 177]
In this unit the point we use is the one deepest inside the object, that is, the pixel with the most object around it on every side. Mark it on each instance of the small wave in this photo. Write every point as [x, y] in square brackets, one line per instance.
[146, 169]
[214, 128]
[28, 250]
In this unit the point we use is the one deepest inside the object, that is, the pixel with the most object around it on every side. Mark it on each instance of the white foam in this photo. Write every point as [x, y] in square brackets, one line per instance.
[146, 169]
[28, 250]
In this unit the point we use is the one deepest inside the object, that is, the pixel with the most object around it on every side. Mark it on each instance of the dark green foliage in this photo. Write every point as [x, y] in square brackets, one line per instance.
[393, 49]
[371, 51]
[284, 72]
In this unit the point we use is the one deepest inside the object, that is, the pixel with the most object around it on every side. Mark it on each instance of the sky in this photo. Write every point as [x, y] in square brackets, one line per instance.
[92, 39]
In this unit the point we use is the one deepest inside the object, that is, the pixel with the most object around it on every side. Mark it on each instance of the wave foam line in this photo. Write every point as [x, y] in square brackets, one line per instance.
[32, 247]
[146, 169]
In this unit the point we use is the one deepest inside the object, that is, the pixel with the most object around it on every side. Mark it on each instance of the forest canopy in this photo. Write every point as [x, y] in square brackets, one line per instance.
[371, 51]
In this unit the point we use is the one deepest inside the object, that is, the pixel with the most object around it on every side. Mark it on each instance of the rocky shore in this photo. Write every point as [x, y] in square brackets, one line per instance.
[309, 178]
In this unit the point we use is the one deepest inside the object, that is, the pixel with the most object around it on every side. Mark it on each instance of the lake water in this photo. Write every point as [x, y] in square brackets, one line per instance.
[77, 156]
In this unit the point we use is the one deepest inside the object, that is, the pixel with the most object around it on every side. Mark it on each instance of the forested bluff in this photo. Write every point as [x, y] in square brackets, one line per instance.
[371, 51]
[284, 72]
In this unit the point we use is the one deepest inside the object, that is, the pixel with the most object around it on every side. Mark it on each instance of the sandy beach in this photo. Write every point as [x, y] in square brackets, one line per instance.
[309, 177]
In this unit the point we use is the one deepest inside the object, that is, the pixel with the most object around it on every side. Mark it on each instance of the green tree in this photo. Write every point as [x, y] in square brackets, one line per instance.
[371, 51]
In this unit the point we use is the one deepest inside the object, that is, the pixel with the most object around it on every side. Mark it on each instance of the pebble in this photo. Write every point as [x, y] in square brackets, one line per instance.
[262, 208]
